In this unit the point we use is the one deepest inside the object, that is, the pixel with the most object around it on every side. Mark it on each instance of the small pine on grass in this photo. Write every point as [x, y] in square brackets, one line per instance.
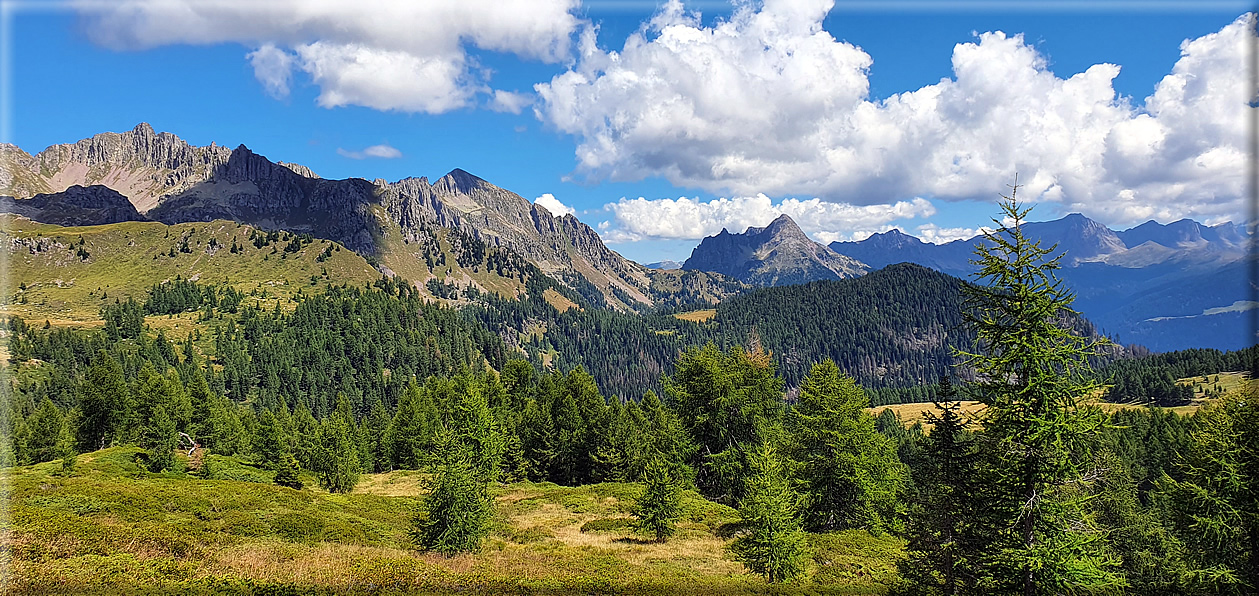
[773, 543]
[287, 470]
[455, 515]
[659, 507]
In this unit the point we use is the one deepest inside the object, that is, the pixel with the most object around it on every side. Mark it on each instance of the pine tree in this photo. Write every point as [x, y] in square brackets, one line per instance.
[1031, 371]
[43, 431]
[659, 506]
[288, 471]
[731, 403]
[946, 528]
[106, 404]
[161, 438]
[850, 473]
[1214, 506]
[773, 543]
[455, 515]
[336, 459]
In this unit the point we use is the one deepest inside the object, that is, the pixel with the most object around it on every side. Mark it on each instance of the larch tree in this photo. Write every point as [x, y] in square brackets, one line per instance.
[773, 543]
[1032, 372]
[659, 506]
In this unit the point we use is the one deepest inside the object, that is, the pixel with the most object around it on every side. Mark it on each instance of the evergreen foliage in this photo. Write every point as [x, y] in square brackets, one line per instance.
[947, 530]
[849, 473]
[1031, 371]
[659, 506]
[288, 471]
[455, 515]
[772, 543]
[1214, 508]
[336, 459]
[730, 403]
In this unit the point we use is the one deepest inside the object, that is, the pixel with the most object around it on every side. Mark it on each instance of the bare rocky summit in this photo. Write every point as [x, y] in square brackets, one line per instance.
[775, 255]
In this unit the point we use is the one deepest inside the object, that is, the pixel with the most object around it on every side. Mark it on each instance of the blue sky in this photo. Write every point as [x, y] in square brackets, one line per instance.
[800, 105]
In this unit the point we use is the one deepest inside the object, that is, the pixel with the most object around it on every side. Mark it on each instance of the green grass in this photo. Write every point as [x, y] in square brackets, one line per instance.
[126, 259]
[112, 527]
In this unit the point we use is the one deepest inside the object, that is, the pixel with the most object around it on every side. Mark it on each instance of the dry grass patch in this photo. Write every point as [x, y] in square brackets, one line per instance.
[558, 300]
[697, 316]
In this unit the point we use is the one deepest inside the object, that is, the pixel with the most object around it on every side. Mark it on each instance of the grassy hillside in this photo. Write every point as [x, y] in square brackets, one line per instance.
[66, 274]
[110, 527]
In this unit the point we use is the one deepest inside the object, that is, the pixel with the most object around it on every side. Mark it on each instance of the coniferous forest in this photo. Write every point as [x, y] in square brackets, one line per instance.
[1017, 482]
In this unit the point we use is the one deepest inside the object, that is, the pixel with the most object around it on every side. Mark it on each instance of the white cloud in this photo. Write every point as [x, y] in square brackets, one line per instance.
[553, 205]
[377, 151]
[691, 219]
[273, 68]
[507, 101]
[768, 101]
[407, 56]
[938, 235]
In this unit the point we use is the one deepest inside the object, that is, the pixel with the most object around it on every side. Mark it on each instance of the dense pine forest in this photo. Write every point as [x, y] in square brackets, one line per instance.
[763, 409]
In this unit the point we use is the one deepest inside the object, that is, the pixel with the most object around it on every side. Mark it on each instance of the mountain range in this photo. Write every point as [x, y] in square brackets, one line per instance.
[168, 180]
[1164, 286]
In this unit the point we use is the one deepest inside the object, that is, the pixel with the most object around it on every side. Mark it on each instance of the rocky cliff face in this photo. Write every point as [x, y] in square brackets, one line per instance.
[171, 181]
[75, 206]
[778, 254]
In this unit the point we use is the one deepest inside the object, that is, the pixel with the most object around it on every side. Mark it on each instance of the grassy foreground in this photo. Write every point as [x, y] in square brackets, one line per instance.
[111, 527]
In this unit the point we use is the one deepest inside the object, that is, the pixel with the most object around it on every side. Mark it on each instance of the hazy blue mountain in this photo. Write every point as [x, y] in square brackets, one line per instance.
[1166, 286]
[665, 265]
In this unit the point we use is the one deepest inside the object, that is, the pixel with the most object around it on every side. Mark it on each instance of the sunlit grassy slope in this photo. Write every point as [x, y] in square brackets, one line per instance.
[69, 273]
[1228, 383]
[113, 528]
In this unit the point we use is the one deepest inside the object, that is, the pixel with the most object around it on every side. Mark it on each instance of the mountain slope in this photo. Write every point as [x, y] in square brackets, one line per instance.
[777, 254]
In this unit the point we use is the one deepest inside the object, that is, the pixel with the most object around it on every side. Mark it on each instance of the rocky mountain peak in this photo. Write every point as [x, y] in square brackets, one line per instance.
[777, 254]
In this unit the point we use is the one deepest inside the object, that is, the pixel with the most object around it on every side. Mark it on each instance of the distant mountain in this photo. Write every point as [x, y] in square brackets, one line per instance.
[74, 206]
[775, 255]
[396, 223]
[665, 265]
[1166, 286]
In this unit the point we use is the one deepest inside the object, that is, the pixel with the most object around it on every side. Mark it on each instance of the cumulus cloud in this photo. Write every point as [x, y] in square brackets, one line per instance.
[553, 205]
[377, 151]
[508, 101]
[691, 219]
[768, 101]
[385, 55]
[273, 68]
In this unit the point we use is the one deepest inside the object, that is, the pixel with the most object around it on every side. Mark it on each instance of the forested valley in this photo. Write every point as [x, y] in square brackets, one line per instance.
[748, 431]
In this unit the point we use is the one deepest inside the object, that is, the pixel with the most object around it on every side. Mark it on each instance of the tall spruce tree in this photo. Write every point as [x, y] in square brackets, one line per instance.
[1032, 372]
[946, 527]
[850, 474]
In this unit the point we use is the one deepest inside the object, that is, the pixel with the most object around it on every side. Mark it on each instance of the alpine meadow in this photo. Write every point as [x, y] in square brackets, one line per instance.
[931, 338]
